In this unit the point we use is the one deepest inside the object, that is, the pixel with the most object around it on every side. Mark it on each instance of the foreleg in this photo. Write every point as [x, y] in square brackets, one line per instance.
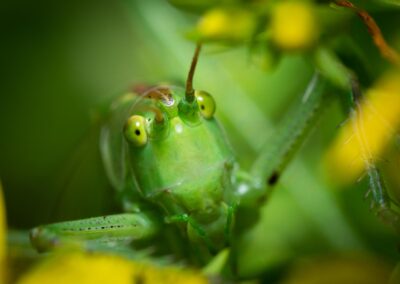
[281, 147]
[95, 231]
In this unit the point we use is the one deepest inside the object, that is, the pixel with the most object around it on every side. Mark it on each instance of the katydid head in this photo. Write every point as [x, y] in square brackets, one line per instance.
[173, 139]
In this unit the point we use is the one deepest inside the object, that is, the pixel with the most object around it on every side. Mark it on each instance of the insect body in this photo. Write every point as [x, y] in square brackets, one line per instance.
[173, 169]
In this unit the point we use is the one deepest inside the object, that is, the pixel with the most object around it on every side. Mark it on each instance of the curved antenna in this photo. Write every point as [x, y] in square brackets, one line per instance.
[158, 114]
[189, 94]
[388, 52]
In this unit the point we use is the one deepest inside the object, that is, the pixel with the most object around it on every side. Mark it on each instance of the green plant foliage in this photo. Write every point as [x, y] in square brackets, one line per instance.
[65, 62]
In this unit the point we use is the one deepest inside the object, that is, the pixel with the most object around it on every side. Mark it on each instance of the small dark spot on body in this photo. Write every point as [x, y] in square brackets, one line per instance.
[273, 179]
[137, 132]
[202, 107]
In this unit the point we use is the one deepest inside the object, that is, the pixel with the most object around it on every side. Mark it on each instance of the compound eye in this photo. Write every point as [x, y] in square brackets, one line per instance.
[206, 104]
[135, 130]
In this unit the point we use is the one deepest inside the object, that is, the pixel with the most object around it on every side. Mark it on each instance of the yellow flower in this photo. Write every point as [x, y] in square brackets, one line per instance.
[226, 24]
[293, 25]
[72, 265]
[2, 238]
[366, 135]
[86, 268]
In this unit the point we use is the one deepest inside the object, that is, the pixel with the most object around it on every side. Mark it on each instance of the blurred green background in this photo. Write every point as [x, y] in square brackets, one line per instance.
[63, 61]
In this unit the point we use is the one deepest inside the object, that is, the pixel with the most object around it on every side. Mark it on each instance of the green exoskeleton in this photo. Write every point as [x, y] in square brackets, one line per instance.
[175, 173]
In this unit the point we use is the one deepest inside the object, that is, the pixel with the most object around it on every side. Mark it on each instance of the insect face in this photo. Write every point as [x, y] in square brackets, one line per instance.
[184, 165]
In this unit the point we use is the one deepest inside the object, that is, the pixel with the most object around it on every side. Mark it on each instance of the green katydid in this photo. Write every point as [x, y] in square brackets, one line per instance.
[169, 160]
[170, 163]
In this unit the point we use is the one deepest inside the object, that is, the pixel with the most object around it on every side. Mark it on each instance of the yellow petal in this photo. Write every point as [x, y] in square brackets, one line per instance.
[365, 136]
[343, 269]
[96, 268]
[293, 25]
[226, 24]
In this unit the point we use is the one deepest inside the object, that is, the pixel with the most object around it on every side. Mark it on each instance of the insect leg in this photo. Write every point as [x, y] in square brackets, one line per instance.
[281, 147]
[185, 218]
[230, 222]
[98, 230]
[381, 202]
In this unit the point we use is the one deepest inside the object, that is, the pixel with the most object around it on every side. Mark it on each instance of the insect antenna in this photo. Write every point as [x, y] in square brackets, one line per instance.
[189, 94]
[159, 117]
[158, 114]
[388, 52]
[154, 94]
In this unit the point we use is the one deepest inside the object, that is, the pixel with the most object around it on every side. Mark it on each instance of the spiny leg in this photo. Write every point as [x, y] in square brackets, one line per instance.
[280, 148]
[95, 231]
[381, 202]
